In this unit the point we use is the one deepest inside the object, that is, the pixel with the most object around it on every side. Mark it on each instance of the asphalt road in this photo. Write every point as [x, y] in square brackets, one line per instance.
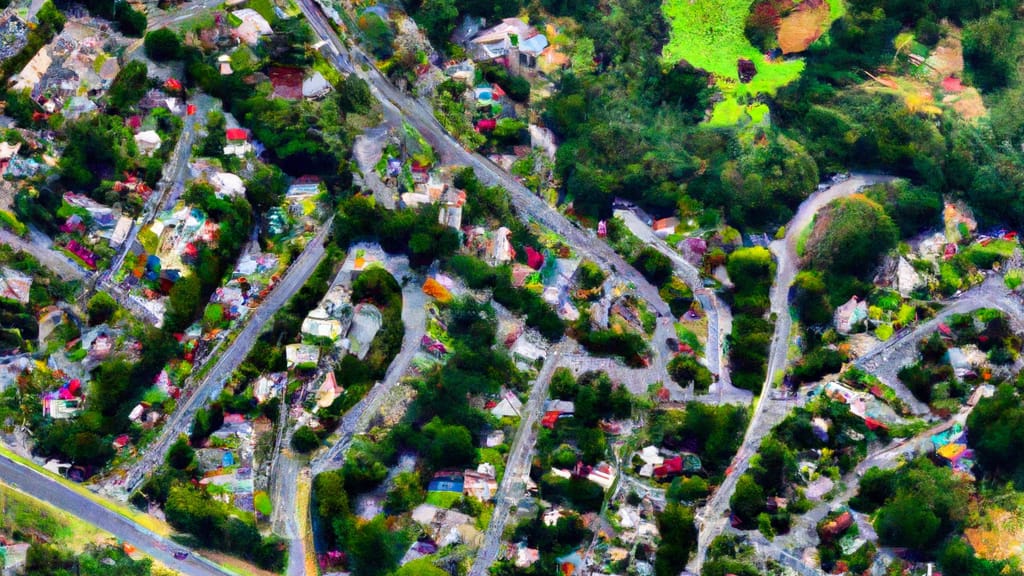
[528, 205]
[63, 266]
[357, 418]
[71, 502]
[768, 412]
[211, 386]
[518, 465]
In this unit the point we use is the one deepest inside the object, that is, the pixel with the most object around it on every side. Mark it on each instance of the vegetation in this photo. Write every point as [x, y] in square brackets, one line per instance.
[752, 271]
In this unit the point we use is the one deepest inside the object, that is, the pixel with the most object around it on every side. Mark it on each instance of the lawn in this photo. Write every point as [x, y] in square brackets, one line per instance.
[709, 35]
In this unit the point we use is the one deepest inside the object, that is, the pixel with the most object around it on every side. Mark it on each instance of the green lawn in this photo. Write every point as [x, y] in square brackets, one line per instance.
[709, 35]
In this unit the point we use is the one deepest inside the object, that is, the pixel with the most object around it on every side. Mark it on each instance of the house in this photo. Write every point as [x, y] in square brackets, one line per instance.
[252, 27]
[481, 486]
[148, 142]
[227, 185]
[449, 481]
[269, 386]
[14, 285]
[669, 468]
[833, 528]
[224, 64]
[287, 82]
[60, 408]
[513, 38]
[450, 212]
[566, 407]
[121, 230]
[329, 391]
[509, 407]
[366, 322]
[603, 475]
[319, 324]
[7, 151]
[301, 355]
[651, 458]
[665, 227]
[850, 315]
[523, 556]
[501, 250]
[958, 360]
[238, 142]
[315, 87]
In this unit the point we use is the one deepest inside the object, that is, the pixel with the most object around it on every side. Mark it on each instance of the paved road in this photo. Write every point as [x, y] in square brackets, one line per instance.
[63, 266]
[213, 383]
[358, 418]
[769, 412]
[517, 468]
[886, 360]
[53, 492]
[528, 206]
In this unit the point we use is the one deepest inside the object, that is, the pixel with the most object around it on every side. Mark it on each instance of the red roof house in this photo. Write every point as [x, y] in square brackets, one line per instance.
[952, 85]
[172, 84]
[534, 259]
[549, 419]
[671, 467]
[237, 134]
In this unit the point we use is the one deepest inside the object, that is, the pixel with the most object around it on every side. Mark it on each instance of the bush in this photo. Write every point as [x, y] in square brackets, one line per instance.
[304, 440]
[101, 308]
[162, 45]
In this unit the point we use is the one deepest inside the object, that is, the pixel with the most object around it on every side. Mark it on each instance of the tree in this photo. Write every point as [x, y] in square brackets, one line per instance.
[685, 370]
[130, 21]
[162, 45]
[128, 86]
[406, 492]
[216, 137]
[583, 56]
[849, 236]
[354, 95]
[101, 307]
[304, 440]
[997, 431]
[748, 499]
[563, 384]
[180, 455]
[437, 17]
[687, 489]
[654, 265]
[589, 275]
[184, 303]
[372, 549]
[678, 539]
[448, 445]
[266, 188]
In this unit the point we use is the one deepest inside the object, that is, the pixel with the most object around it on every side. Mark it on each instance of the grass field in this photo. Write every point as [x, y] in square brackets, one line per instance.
[708, 34]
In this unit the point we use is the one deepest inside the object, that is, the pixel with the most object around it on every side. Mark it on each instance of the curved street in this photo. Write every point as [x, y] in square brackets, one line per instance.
[52, 491]
[769, 412]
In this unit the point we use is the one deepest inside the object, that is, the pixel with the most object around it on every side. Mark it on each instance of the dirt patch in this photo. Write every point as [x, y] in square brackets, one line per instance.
[968, 104]
[948, 57]
[1000, 536]
[236, 564]
[803, 26]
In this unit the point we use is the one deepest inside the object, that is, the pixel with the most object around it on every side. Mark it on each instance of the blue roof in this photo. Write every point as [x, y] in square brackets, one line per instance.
[446, 484]
[534, 45]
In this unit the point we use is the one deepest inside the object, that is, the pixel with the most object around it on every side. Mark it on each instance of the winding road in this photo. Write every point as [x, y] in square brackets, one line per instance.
[42, 487]
[768, 412]
[212, 384]
[528, 206]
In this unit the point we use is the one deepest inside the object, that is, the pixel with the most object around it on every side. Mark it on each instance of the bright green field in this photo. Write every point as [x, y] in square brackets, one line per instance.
[708, 34]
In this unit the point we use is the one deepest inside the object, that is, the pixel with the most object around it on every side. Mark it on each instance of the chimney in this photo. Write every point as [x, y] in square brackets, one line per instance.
[930, 566]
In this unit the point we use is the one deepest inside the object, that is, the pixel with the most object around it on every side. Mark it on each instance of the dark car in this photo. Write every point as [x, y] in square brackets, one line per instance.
[180, 555]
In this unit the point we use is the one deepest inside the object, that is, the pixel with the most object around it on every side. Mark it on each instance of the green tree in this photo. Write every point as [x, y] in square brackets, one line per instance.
[354, 95]
[101, 307]
[654, 265]
[437, 17]
[304, 440]
[162, 45]
[184, 304]
[180, 455]
[685, 370]
[128, 86]
[748, 499]
[372, 549]
[563, 384]
[678, 539]
[130, 21]
[850, 235]
[266, 188]
[406, 492]
[448, 445]
[216, 137]
[997, 431]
